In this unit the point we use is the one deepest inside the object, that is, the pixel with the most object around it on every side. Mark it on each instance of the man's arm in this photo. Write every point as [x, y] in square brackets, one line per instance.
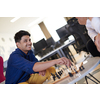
[90, 25]
[92, 33]
[96, 25]
[97, 42]
[40, 66]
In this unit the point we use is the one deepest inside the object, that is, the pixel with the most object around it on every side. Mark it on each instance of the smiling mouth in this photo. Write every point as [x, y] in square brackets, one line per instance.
[29, 46]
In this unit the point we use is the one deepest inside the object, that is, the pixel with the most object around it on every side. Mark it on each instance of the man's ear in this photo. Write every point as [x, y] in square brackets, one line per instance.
[17, 44]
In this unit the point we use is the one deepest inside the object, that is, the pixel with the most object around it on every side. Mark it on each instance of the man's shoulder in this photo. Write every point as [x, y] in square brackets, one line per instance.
[88, 24]
[15, 53]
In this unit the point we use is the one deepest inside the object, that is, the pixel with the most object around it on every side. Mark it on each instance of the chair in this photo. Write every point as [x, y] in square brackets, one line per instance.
[92, 48]
[2, 77]
[80, 34]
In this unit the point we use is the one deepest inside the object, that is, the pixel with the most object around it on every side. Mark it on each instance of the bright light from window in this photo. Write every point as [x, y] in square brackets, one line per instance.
[37, 33]
[54, 23]
[14, 19]
[36, 21]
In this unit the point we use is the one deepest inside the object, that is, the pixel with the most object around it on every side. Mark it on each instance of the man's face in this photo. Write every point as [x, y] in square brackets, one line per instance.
[24, 44]
[82, 20]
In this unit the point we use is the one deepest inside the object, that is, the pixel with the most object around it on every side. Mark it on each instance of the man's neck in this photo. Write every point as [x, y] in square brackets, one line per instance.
[26, 52]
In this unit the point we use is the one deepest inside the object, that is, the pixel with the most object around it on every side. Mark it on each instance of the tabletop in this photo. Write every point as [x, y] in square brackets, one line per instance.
[88, 64]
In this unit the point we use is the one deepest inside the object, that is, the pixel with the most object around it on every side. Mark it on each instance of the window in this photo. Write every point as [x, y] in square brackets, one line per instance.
[54, 23]
[36, 33]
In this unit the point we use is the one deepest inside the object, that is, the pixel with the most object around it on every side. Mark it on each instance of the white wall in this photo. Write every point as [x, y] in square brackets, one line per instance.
[6, 46]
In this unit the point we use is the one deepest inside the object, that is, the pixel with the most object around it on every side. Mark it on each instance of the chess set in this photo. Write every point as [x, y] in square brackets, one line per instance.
[65, 72]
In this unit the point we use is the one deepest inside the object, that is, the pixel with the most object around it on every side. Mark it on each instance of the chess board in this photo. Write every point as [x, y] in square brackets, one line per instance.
[65, 73]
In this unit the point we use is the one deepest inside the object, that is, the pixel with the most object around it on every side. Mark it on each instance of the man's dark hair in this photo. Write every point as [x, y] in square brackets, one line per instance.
[19, 35]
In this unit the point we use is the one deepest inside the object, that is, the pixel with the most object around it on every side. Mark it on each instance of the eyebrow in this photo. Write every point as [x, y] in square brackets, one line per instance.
[27, 39]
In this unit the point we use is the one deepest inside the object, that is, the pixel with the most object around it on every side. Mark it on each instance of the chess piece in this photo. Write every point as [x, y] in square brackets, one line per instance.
[60, 72]
[69, 71]
[74, 65]
[54, 77]
[75, 68]
[70, 74]
[75, 71]
[57, 75]
[82, 67]
[72, 69]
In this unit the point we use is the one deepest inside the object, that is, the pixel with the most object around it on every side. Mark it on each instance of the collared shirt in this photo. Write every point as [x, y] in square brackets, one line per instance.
[20, 66]
[93, 27]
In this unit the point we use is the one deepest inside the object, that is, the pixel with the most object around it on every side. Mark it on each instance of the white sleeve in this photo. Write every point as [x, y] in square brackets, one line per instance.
[96, 24]
[92, 33]
[93, 27]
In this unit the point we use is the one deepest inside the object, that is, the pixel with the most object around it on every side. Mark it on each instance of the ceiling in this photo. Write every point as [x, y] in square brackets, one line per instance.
[22, 23]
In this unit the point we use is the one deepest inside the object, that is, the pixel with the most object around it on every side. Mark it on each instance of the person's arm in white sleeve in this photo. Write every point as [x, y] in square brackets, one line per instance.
[95, 22]
[92, 33]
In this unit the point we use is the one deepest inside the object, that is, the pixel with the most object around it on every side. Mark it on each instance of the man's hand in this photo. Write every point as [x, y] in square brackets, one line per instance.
[42, 73]
[97, 42]
[63, 61]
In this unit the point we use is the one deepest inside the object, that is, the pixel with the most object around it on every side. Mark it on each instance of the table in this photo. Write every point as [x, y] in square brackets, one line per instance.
[58, 50]
[89, 66]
